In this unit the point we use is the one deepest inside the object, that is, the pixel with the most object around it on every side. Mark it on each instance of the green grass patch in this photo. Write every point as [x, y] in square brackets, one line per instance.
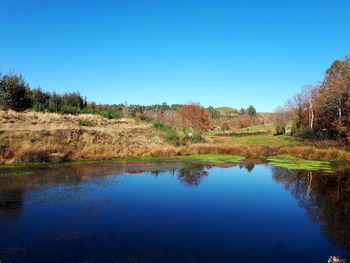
[213, 133]
[264, 139]
[296, 163]
[267, 128]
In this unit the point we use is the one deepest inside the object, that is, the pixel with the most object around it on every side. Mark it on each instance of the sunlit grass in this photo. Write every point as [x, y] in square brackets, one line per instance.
[262, 135]
[264, 139]
[296, 163]
[268, 128]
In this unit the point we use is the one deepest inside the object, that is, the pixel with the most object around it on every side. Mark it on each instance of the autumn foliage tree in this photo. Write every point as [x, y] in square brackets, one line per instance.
[323, 110]
[194, 116]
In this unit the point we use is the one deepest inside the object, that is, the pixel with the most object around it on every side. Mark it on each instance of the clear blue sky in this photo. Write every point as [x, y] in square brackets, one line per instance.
[220, 53]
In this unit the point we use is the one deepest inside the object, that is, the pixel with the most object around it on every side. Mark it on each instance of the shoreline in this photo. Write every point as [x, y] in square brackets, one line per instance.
[282, 161]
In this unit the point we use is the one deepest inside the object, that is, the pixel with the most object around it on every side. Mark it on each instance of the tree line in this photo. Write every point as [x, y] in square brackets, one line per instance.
[16, 94]
[320, 111]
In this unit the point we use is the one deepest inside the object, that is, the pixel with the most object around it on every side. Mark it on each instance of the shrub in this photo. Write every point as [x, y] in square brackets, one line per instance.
[55, 102]
[14, 93]
[68, 109]
[194, 116]
[158, 125]
[183, 136]
[175, 137]
[39, 99]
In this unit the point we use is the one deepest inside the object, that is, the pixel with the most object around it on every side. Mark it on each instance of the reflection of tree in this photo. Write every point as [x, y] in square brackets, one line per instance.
[13, 189]
[192, 176]
[248, 165]
[326, 198]
[11, 203]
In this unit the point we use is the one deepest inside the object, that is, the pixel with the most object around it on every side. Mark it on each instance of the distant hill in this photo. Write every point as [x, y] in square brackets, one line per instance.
[227, 110]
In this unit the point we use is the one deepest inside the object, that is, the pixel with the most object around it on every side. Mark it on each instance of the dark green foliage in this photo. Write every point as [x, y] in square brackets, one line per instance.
[215, 113]
[251, 111]
[14, 93]
[107, 111]
[73, 99]
[55, 103]
[158, 125]
[39, 99]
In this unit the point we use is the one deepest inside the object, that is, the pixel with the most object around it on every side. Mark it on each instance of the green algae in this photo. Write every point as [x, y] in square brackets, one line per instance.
[296, 163]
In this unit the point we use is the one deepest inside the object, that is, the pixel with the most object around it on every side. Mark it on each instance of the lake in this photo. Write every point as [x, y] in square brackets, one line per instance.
[173, 212]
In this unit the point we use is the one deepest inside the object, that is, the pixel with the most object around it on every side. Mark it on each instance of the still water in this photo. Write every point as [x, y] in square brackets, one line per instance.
[174, 212]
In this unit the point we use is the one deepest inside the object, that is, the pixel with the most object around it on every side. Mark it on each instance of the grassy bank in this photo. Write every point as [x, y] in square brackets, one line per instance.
[31, 137]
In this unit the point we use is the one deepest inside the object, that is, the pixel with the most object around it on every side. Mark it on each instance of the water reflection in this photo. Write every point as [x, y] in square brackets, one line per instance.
[192, 176]
[13, 189]
[248, 165]
[11, 202]
[326, 199]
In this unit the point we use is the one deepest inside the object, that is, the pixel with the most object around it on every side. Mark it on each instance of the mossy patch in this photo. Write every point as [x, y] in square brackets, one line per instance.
[297, 163]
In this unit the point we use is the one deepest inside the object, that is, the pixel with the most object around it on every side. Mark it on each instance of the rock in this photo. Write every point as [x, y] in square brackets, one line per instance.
[335, 259]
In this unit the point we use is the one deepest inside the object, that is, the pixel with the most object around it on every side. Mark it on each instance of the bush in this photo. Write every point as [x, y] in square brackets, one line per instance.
[55, 102]
[180, 137]
[68, 109]
[14, 93]
[195, 116]
[197, 137]
[280, 130]
[106, 113]
[39, 99]
[38, 106]
[175, 137]
[158, 125]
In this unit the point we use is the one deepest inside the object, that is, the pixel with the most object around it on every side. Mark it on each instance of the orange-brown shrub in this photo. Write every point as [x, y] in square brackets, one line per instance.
[194, 116]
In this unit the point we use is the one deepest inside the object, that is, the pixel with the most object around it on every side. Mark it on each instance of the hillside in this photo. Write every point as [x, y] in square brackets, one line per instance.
[32, 137]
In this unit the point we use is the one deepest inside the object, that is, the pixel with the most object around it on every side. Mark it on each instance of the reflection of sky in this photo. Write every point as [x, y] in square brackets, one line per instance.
[231, 214]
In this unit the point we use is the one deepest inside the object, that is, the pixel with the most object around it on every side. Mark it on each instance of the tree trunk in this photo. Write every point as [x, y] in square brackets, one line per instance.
[312, 117]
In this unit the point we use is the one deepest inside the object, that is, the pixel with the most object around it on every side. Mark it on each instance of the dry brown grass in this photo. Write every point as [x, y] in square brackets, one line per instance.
[35, 137]
[42, 137]
[314, 153]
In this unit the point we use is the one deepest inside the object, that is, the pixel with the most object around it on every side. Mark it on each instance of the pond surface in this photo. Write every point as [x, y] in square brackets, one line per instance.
[174, 212]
